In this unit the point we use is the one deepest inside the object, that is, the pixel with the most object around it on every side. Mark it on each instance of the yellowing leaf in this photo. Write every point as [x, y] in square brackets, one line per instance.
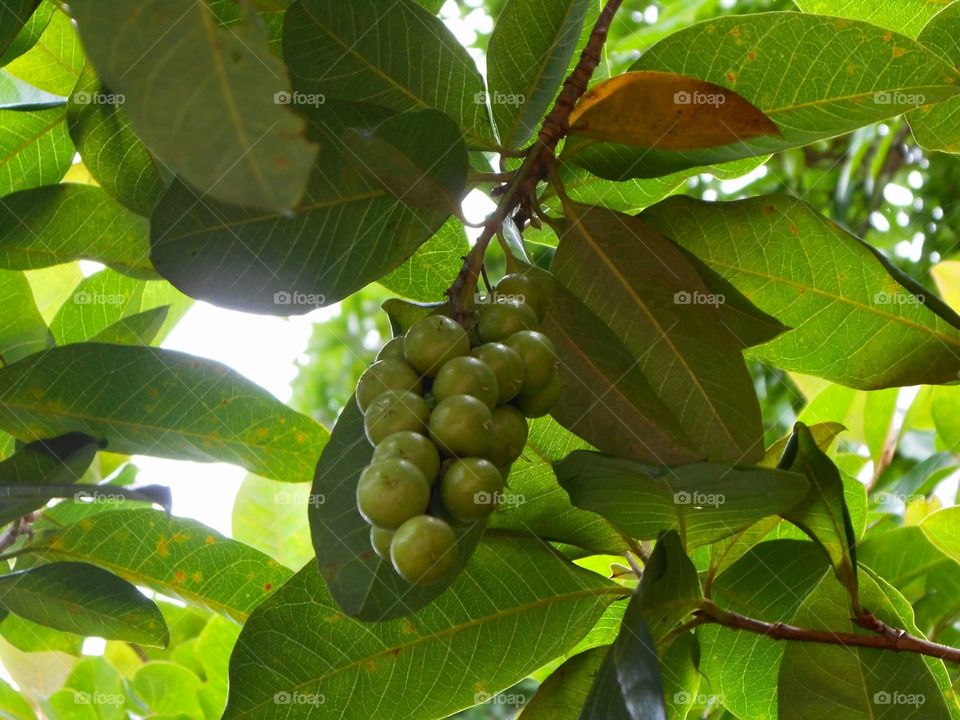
[672, 112]
[947, 277]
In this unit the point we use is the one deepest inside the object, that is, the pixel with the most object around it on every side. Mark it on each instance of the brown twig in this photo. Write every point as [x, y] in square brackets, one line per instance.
[886, 637]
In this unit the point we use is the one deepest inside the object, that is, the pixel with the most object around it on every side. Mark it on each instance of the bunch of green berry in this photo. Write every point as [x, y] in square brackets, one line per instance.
[445, 408]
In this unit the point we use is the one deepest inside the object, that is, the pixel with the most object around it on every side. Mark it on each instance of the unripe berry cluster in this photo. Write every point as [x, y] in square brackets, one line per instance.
[445, 409]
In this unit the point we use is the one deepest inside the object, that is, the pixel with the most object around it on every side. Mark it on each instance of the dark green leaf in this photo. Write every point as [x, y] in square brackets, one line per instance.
[669, 588]
[562, 695]
[518, 605]
[31, 31]
[704, 502]
[80, 598]
[174, 405]
[22, 329]
[151, 494]
[35, 148]
[213, 111]
[13, 15]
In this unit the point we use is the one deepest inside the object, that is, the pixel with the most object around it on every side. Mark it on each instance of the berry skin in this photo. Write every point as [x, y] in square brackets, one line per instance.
[508, 435]
[470, 488]
[424, 549]
[383, 375]
[502, 319]
[432, 341]
[395, 411]
[411, 446]
[525, 289]
[539, 359]
[460, 426]
[380, 540]
[467, 376]
[392, 350]
[391, 492]
[506, 365]
[539, 403]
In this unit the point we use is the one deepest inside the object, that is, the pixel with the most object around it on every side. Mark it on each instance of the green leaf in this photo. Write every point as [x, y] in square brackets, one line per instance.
[55, 224]
[850, 311]
[139, 329]
[168, 690]
[823, 513]
[942, 528]
[905, 16]
[22, 329]
[395, 54]
[56, 461]
[669, 588]
[54, 63]
[35, 148]
[76, 597]
[420, 157]
[209, 110]
[174, 556]
[527, 62]
[272, 517]
[562, 695]
[823, 433]
[28, 35]
[116, 158]
[13, 15]
[903, 555]
[704, 502]
[363, 585]
[174, 405]
[96, 683]
[679, 665]
[833, 76]
[347, 232]
[30, 637]
[426, 275]
[15, 707]
[518, 606]
[937, 126]
[644, 289]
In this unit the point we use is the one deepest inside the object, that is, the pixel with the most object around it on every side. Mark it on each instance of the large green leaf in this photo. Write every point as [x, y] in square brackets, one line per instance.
[111, 151]
[527, 61]
[54, 63]
[79, 598]
[905, 16]
[35, 148]
[209, 110]
[647, 292]
[158, 402]
[831, 76]
[392, 53]
[562, 695]
[855, 319]
[518, 605]
[427, 274]
[937, 126]
[174, 556]
[55, 224]
[348, 232]
[704, 502]
[363, 584]
[13, 15]
[22, 329]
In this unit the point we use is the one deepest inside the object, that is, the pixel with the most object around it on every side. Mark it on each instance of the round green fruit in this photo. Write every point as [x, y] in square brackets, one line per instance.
[467, 376]
[539, 358]
[380, 540]
[506, 365]
[424, 549]
[413, 447]
[508, 435]
[391, 492]
[541, 402]
[433, 341]
[524, 289]
[502, 319]
[460, 426]
[395, 411]
[392, 350]
[470, 489]
[383, 375]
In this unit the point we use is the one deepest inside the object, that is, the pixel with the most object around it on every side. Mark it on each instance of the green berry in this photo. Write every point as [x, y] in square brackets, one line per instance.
[424, 549]
[470, 489]
[524, 289]
[502, 319]
[395, 411]
[411, 446]
[506, 365]
[467, 376]
[383, 375]
[391, 492]
[432, 341]
[392, 350]
[380, 540]
[541, 402]
[460, 426]
[539, 358]
[508, 435]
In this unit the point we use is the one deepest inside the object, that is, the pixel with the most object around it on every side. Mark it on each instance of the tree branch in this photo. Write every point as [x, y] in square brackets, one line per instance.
[887, 638]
